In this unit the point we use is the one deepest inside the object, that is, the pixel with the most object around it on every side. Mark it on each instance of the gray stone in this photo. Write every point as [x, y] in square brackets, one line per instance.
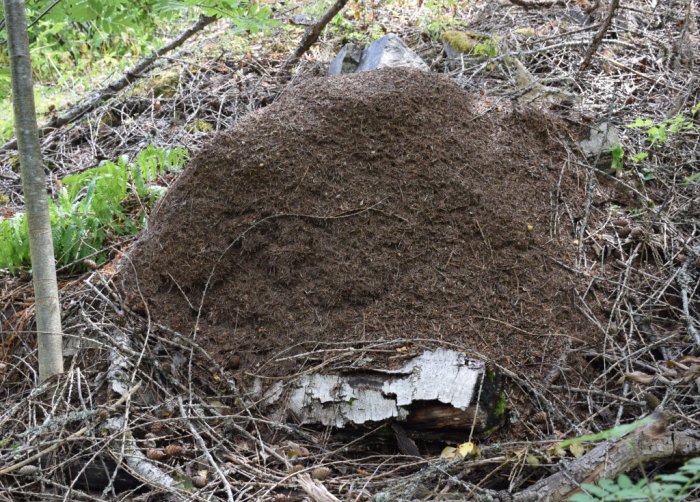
[386, 52]
[390, 52]
[347, 60]
[601, 139]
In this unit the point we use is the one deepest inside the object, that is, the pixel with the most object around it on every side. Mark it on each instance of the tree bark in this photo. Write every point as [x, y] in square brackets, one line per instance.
[48, 312]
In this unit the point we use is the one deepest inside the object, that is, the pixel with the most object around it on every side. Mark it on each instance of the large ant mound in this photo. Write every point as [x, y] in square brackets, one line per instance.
[375, 206]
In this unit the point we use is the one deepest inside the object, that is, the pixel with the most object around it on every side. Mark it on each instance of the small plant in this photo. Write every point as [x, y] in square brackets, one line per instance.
[618, 158]
[657, 134]
[91, 208]
[665, 487]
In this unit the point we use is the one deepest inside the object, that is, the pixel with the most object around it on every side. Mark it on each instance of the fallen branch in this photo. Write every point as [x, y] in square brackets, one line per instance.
[113, 88]
[598, 38]
[315, 490]
[312, 34]
[536, 4]
[202, 446]
[647, 444]
[685, 283]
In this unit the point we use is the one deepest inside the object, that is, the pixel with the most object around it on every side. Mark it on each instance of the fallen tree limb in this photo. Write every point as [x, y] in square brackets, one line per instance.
[647, 444]
[312, 34]
[598, 37]
[114, 87]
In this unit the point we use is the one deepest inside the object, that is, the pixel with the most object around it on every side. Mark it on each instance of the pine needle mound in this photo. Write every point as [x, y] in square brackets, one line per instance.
[388, 205]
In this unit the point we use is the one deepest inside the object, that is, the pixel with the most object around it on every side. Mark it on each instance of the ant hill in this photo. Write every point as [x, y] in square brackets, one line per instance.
[386, 205]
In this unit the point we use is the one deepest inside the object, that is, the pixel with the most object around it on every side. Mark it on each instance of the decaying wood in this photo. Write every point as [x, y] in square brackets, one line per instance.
[312, 34]
[441, 388]
[649, 443]
[598, 38]
[406, 445]
[113, 88]
[437, 416]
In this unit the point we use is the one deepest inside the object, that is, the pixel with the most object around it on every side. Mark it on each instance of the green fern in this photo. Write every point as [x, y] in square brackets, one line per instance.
[665, 487]
[90, 209]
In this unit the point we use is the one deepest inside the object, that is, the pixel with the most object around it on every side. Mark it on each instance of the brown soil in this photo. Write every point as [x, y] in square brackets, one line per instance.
[382, 205]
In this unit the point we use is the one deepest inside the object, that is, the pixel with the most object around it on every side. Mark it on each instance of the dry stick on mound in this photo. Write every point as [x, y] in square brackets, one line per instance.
[111, 89]
[598, 38]
[649, 443]
[313, 33]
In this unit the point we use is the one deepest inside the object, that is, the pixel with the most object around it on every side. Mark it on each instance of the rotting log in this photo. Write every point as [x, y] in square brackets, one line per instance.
[439, 390]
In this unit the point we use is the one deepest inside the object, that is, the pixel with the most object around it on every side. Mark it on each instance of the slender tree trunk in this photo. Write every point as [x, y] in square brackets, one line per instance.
[48, 312]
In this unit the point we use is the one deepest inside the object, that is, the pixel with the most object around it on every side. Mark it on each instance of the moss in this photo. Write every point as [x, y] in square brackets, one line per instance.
[199, 125]
[501, 405]
[14, 163]
[459, 41]
[526, 32]
[476, 44]
[491, 375]
[4, 199]
[165, 84]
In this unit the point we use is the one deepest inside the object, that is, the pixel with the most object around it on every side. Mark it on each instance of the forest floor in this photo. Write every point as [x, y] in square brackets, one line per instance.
[387, 212]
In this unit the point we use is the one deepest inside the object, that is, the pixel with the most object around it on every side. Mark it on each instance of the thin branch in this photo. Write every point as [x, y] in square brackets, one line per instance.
[312, 34]
[598, 38]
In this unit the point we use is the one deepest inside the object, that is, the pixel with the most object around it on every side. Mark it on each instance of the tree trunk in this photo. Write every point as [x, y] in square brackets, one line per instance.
[48, 313]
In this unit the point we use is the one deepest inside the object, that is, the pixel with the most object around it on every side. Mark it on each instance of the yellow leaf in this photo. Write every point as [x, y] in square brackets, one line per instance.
[468, 449]
[577, 449]
[448, 453]
[532, 460]
[556, 451]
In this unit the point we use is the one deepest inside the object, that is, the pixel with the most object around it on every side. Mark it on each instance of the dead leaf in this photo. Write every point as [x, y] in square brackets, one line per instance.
[638, 377]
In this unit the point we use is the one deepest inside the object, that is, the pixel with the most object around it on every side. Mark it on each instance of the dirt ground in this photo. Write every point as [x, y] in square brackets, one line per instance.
[375, 206]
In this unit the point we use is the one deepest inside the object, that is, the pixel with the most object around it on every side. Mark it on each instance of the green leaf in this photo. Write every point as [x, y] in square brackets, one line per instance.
[640, 157]
[641, 123]
[583, 497]
[624, 481]
[595, 490]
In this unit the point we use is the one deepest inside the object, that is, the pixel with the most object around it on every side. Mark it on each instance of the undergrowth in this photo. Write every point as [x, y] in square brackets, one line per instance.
[92, 208]
[665, 487]
[657, 135]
